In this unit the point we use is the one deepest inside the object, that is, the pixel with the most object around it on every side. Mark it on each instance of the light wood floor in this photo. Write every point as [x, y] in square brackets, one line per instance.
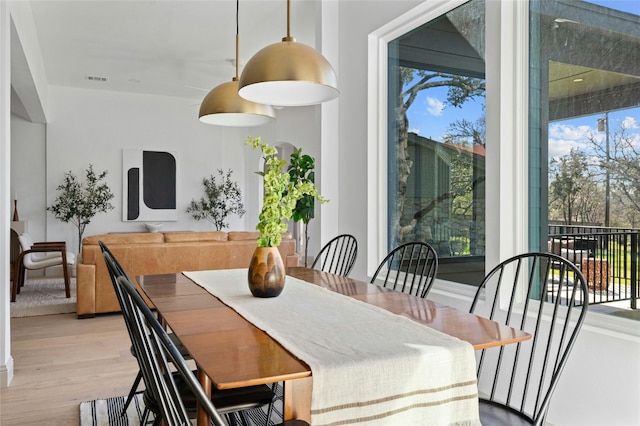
[60, 361]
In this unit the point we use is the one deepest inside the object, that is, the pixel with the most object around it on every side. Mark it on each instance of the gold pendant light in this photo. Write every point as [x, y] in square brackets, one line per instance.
[288, 74]
[224, 107]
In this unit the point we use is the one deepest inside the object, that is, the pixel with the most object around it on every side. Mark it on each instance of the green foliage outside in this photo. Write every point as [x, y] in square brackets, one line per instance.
[577, 183]
[221, 199]
[79, 201]
[460, 89]
[571, 194]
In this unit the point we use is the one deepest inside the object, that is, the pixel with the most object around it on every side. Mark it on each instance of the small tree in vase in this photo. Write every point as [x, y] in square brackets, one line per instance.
[79, 201]
[221, 200]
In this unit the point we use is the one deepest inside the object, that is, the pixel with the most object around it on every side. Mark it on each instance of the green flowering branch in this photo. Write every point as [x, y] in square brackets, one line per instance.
[280, 195]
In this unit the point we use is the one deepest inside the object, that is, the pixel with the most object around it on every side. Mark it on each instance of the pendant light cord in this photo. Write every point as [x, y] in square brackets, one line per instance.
[237, 35]
[288, 18]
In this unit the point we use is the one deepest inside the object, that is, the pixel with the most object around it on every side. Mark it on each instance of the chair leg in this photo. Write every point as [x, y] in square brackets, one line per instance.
[132, 393]
[145, 416]
[65, 269]
[18, 278]
[22, 278]
[269, 411]
[14, 282]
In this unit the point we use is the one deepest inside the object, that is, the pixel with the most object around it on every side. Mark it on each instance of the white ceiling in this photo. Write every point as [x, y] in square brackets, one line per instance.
[161, 47]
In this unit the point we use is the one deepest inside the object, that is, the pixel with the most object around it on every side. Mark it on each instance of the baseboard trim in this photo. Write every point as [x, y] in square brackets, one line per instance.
[6, 373]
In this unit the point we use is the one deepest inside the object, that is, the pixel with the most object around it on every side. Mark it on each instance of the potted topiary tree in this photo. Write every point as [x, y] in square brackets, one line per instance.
[79, 201]
[221, 200]
[281, 193]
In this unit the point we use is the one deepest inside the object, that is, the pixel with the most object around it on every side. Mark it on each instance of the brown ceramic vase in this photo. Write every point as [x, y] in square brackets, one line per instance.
[266, 272]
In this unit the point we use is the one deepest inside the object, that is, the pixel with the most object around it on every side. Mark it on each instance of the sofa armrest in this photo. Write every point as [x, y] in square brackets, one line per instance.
[85, 290]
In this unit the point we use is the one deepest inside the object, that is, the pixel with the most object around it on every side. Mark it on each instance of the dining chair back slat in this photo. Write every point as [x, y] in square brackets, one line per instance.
[546, 296]
[156, 351]
[409, 268]
[230, 402]
[338, 256]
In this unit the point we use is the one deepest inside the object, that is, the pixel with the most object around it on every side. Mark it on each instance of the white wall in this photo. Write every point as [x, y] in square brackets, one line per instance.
[601, 383]
[19, 54]
[93, 127]
[6, 359]
[28, 174]
[357, 20]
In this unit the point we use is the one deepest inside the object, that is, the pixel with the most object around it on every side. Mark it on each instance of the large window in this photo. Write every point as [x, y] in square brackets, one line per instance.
[585, 142]
[436, 140]
[585, 119]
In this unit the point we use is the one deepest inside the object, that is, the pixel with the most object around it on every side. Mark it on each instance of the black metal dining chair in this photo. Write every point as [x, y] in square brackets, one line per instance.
[409, 268]
[545, 295]
[228, 402]
[115, 269]
[338, 256]
[158, 355]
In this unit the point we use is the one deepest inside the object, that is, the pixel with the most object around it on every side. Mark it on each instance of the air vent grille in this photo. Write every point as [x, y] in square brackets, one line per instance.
[95, 78]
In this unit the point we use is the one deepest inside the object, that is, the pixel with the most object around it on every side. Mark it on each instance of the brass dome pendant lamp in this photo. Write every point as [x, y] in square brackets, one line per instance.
[224, 107]
[288, 74]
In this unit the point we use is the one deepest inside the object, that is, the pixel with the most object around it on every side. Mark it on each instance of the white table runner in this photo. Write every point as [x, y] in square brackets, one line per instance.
[369, 366]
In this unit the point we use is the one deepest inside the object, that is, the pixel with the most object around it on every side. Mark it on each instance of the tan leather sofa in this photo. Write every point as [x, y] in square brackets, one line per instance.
[161, 253]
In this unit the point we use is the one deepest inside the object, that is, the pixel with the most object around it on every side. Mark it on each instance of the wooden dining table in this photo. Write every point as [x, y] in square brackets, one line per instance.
[230, 352]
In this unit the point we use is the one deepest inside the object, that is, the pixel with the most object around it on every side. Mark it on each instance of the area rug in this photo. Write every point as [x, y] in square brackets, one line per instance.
[43, 296]
[108, 412]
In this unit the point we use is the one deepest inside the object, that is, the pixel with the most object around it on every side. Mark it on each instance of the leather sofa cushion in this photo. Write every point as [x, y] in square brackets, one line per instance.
[125, 238]
[188, 237]
[252, 235]
[243, 235]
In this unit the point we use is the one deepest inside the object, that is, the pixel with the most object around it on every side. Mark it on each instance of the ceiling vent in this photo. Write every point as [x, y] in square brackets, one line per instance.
[95, 78]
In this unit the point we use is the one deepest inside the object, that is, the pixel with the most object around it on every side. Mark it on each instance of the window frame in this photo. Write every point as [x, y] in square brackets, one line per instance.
[507, 119]
[507, 207]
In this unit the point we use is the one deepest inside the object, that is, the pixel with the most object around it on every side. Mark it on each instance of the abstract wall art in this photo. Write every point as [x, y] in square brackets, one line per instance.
[149, 185]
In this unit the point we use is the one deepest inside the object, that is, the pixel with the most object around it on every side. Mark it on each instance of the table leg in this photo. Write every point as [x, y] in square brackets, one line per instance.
[297, 399]
[205, 381]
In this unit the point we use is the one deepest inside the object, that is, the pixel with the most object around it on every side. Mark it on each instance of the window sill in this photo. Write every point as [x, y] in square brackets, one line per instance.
[460, 296]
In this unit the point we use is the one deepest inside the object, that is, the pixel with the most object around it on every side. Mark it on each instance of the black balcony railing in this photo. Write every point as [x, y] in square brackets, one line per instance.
[607, 257]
